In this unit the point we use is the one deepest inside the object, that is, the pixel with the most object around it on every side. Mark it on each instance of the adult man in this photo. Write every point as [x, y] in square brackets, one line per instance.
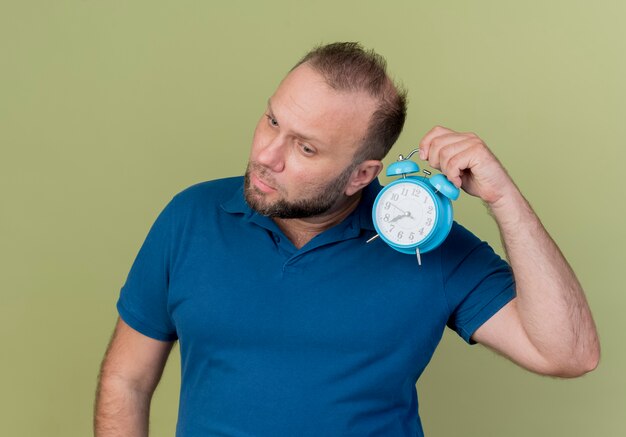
[288, 323]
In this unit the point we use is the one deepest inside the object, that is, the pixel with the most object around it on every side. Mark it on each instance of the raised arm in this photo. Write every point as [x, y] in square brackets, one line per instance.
[548, 327]
[130, 372]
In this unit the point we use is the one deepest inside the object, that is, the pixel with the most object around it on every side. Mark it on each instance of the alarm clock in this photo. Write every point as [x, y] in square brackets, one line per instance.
[413, 214]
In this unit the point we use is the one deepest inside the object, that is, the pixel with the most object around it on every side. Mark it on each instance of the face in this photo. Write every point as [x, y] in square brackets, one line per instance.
[301, 162]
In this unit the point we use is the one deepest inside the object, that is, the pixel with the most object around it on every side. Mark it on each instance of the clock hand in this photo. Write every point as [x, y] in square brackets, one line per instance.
[398, 217]
[398, 208]
[404, 213]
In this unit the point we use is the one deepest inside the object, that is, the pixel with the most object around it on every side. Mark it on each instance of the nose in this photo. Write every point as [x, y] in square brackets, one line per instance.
[272, 153]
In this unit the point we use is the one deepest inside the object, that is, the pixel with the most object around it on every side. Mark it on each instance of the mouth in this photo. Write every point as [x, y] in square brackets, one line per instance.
[260, 185]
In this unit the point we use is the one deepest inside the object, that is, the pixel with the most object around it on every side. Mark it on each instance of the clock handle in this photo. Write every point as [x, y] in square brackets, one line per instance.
[413, 152]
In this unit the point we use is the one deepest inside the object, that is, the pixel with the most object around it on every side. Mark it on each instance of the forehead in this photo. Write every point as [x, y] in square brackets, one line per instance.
[305, 103]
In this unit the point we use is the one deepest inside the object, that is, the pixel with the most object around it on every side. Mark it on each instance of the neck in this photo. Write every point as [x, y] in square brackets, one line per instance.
[301, 231]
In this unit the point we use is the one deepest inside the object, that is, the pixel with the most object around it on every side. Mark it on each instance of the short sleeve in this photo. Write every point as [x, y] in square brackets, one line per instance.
[477, 282]
[143, 300]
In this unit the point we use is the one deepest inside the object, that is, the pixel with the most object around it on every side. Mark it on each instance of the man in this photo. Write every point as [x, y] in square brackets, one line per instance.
[289, 323]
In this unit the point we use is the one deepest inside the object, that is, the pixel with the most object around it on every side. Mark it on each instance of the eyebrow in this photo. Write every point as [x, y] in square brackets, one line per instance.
[298, 134]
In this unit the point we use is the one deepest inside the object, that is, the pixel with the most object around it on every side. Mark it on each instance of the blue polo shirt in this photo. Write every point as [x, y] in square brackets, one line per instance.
[326, 340]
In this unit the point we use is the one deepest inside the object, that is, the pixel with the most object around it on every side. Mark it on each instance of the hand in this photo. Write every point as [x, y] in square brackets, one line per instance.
[404, 213]
[398, 217]
[467, 162]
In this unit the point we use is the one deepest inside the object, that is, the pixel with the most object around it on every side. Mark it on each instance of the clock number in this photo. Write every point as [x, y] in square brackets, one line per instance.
[400, 234]
[387, 205]
[416, 192]
[392, 228]
[386, 217]
[395, 196]
[428, 221]
[430, 210]
[412, 236]
[421, 231]
[405, 191]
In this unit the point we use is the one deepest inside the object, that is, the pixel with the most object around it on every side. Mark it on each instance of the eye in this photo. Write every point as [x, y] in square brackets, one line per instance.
[306, 149]
[271, 120]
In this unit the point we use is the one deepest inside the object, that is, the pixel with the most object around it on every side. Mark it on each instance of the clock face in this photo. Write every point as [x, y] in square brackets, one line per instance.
[405, 213]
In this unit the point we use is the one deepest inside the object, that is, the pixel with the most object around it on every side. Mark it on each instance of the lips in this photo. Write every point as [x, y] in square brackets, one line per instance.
[262, 186]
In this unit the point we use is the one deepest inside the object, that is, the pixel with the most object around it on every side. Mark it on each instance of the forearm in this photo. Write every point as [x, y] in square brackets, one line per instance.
[551, 303]
[120, 410]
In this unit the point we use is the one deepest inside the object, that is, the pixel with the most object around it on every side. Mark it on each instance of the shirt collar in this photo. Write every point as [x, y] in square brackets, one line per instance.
[237, 203]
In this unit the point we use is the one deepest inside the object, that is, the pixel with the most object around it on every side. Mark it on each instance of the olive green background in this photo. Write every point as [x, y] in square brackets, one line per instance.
[109, 108]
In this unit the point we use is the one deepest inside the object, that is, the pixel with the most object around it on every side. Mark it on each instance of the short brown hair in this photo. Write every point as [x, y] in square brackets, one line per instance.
[346, 66]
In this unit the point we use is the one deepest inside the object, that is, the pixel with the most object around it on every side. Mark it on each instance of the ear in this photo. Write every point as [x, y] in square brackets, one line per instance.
[365, 173]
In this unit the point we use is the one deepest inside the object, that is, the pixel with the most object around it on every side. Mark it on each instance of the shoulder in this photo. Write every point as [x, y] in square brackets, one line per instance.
[460, 239]
[464, 247]
[203, 198]
[208, 193]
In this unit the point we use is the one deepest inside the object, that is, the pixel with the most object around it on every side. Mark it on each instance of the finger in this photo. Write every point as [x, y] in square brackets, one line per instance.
[424, 144]
[441, 143]
[445, 155]
[448, 152]
[458, 163]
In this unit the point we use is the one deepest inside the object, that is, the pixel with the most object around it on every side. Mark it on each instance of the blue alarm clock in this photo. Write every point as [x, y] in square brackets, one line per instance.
[413, 214]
